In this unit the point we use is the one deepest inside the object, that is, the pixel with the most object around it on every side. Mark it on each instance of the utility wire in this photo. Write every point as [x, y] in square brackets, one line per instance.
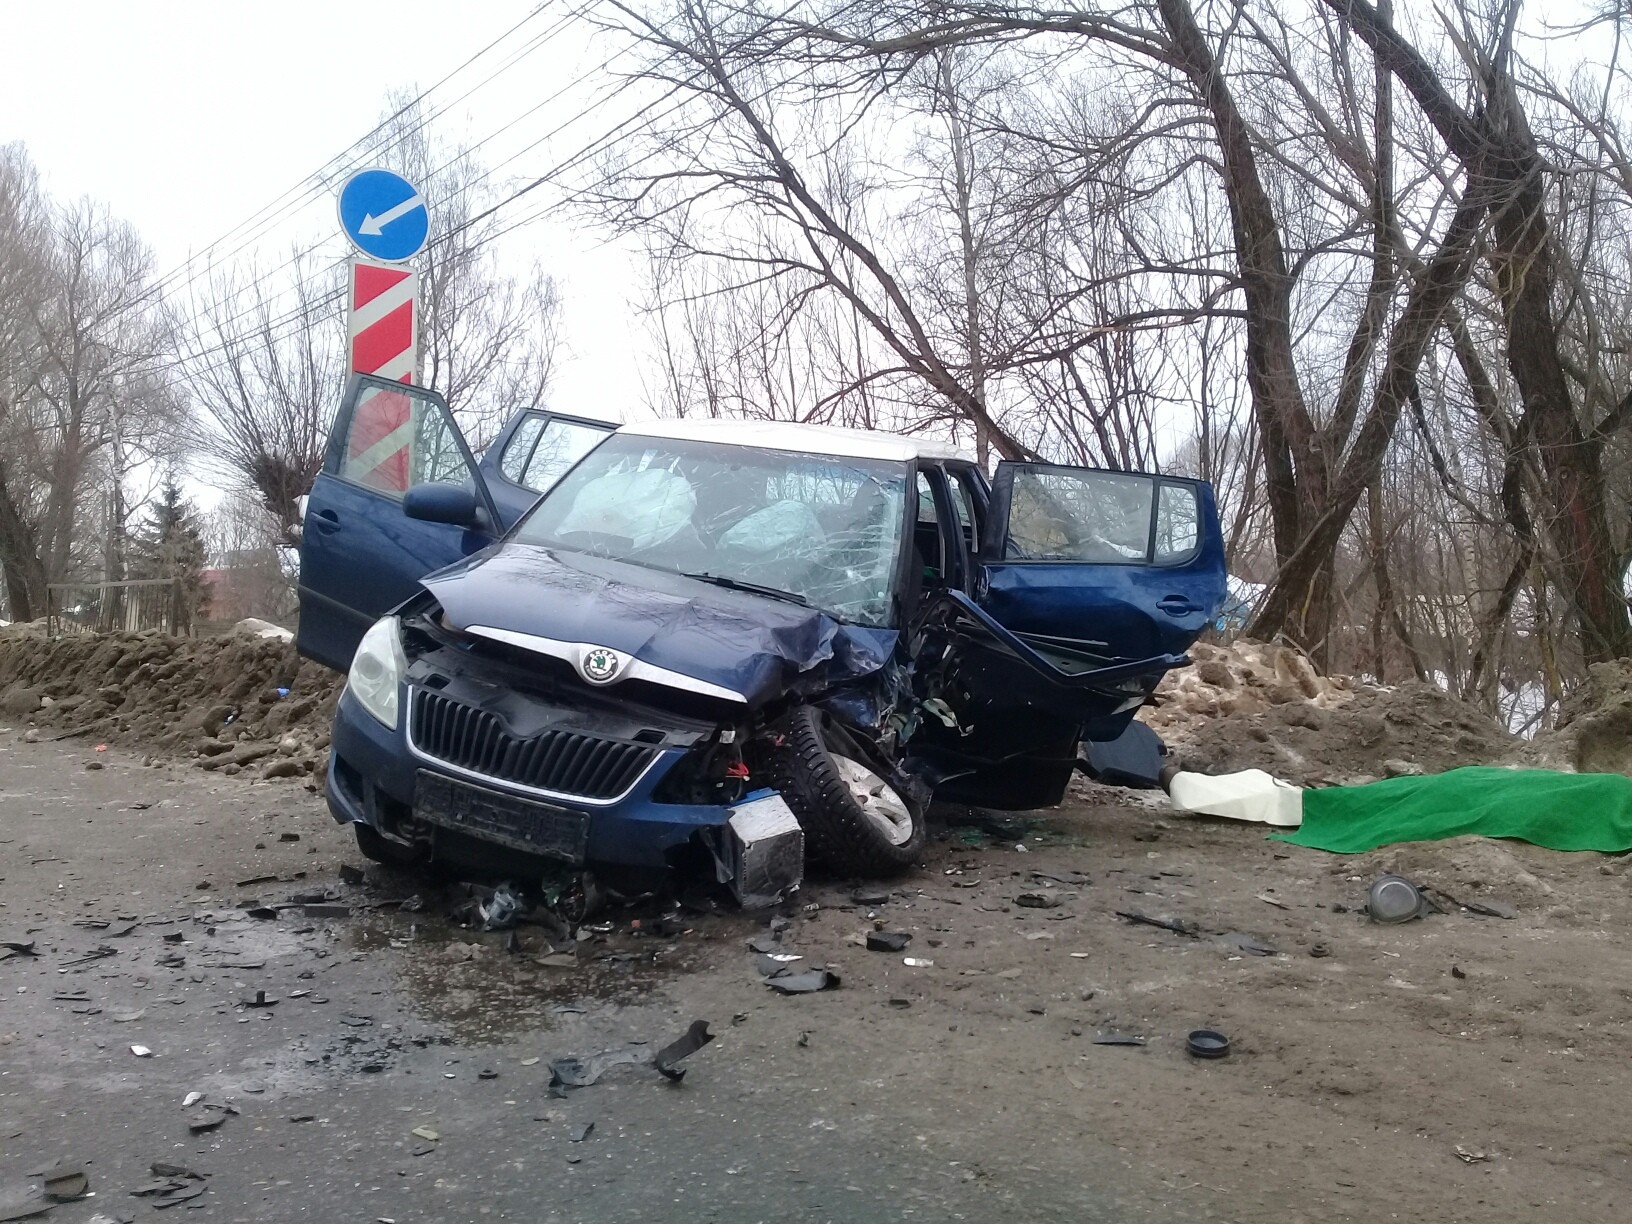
[299, 194]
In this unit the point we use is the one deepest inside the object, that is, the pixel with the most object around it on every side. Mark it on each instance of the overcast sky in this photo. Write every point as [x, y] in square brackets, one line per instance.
[186, 118]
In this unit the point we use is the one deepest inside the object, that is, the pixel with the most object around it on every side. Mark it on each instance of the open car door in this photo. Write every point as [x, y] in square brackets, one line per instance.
[1088, 587]
[360, 553]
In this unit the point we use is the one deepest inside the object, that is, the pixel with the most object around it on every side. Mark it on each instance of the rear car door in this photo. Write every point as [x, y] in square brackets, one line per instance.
[360, 554]
[1085, 589]
[1116, 565]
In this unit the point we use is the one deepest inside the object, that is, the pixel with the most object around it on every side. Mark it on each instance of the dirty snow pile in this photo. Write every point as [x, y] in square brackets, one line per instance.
[1594, 731]
[1253, 705]
[234, 703]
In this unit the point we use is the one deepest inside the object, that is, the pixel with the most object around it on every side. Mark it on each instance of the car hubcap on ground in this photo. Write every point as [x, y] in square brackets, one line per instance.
[877, 800]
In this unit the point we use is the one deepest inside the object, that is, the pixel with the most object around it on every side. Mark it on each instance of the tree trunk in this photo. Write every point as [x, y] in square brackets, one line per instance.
[1497, 139]
[20, 559]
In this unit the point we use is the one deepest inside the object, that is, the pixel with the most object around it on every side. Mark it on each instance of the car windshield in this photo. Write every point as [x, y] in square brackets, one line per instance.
[821, 529]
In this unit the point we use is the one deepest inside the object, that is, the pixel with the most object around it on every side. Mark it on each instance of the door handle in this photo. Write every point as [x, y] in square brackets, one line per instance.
[327, 521]
[1178, 605]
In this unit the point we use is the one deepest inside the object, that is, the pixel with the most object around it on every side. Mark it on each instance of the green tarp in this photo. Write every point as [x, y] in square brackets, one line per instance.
[1561, 811]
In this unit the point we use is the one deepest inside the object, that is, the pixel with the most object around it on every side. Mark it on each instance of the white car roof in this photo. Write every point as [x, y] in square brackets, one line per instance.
[800, 439]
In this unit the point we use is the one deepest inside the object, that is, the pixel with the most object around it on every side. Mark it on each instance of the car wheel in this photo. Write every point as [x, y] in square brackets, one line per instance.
[378, 850]
[855, 821]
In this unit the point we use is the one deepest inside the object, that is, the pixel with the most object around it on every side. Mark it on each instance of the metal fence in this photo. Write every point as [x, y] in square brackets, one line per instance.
[104, 607]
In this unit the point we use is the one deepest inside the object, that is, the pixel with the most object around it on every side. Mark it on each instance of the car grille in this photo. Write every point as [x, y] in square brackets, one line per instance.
[560, 762]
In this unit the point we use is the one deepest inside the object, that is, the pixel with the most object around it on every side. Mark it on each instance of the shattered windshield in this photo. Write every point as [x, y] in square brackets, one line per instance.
[823, 530]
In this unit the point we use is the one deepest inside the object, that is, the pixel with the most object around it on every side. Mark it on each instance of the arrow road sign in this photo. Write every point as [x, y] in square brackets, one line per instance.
[384, 215]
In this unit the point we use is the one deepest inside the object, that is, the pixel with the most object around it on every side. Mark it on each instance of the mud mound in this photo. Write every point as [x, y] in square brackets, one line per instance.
[1250, 705]
[1594, 732]
[215, 699]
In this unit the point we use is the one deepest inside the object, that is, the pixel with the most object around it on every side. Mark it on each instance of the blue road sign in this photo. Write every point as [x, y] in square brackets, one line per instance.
[384, 215]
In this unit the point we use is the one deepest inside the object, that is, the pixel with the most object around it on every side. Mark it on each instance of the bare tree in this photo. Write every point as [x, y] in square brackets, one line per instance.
[83, 397]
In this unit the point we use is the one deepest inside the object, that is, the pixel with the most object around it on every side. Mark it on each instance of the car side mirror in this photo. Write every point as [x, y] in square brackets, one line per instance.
[440, 502]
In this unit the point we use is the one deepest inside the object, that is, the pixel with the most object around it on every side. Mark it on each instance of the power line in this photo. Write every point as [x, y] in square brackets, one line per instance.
[586, 151]
[302, 190]
[269, 331]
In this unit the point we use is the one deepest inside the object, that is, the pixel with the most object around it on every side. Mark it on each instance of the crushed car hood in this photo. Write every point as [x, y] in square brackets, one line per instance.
[749, 644]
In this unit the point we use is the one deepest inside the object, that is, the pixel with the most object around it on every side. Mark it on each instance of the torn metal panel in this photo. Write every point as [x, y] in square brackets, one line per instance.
[760, 851]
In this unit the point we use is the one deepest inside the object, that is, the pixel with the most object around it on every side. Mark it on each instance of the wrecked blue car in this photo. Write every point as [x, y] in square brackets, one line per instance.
[722, 643]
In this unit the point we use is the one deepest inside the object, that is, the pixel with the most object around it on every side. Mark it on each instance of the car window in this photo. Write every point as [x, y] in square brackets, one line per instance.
[824, 528]
[561, 445]
[1178, 523]
[397, 439]
[513, 463]
[927, 539]
[1080, 515]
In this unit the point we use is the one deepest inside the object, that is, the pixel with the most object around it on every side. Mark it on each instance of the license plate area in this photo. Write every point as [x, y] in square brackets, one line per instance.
[493, 816]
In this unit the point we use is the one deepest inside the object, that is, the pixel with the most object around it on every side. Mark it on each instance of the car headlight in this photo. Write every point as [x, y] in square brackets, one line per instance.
[377, 668]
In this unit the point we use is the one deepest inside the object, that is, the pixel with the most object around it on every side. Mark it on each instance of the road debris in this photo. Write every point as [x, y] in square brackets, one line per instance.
[667, 1059]
[1118, 1039]
[917, 962]
[500, 911]
[19, 947]
[808, 982]
[888, 941]
[1207, 1043]
[425, 1133]
[65, 1183]
[1032, 900]
[1393, 898]
[1249, 944]
[579, 1133]
[581, 1072]
[1471, 1155]
[141, 1051]
[1177, 926]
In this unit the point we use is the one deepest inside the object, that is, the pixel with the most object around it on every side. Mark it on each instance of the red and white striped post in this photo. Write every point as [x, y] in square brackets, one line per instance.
[382, 338]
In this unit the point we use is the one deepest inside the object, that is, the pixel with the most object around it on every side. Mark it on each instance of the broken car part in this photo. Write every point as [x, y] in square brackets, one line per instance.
[1207, 1043]
[1250, 794]
[1393, 898]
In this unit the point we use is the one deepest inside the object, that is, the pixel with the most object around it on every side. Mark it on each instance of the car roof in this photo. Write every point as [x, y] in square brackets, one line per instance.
[799, 439]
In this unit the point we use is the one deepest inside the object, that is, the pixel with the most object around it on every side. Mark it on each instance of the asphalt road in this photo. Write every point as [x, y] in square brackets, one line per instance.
[837, 1106]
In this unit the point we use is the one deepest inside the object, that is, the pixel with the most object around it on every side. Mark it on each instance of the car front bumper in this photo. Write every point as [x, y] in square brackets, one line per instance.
[373, 776]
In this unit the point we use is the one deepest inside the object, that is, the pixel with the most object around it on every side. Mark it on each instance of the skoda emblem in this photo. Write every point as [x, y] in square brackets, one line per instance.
[600, 665]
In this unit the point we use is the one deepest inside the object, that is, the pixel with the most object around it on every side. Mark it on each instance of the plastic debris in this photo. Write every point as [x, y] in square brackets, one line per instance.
[576, 1072]
[1393, 898]
[1251, 795]
[888, 941]
[1175, 925]
[141, 1051]
[1252, 946]
[1207, 1043]
[808, 982]
[1037, 901]
[917, 962]
[425, 1133]
[500, 911]
[65, 1183]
